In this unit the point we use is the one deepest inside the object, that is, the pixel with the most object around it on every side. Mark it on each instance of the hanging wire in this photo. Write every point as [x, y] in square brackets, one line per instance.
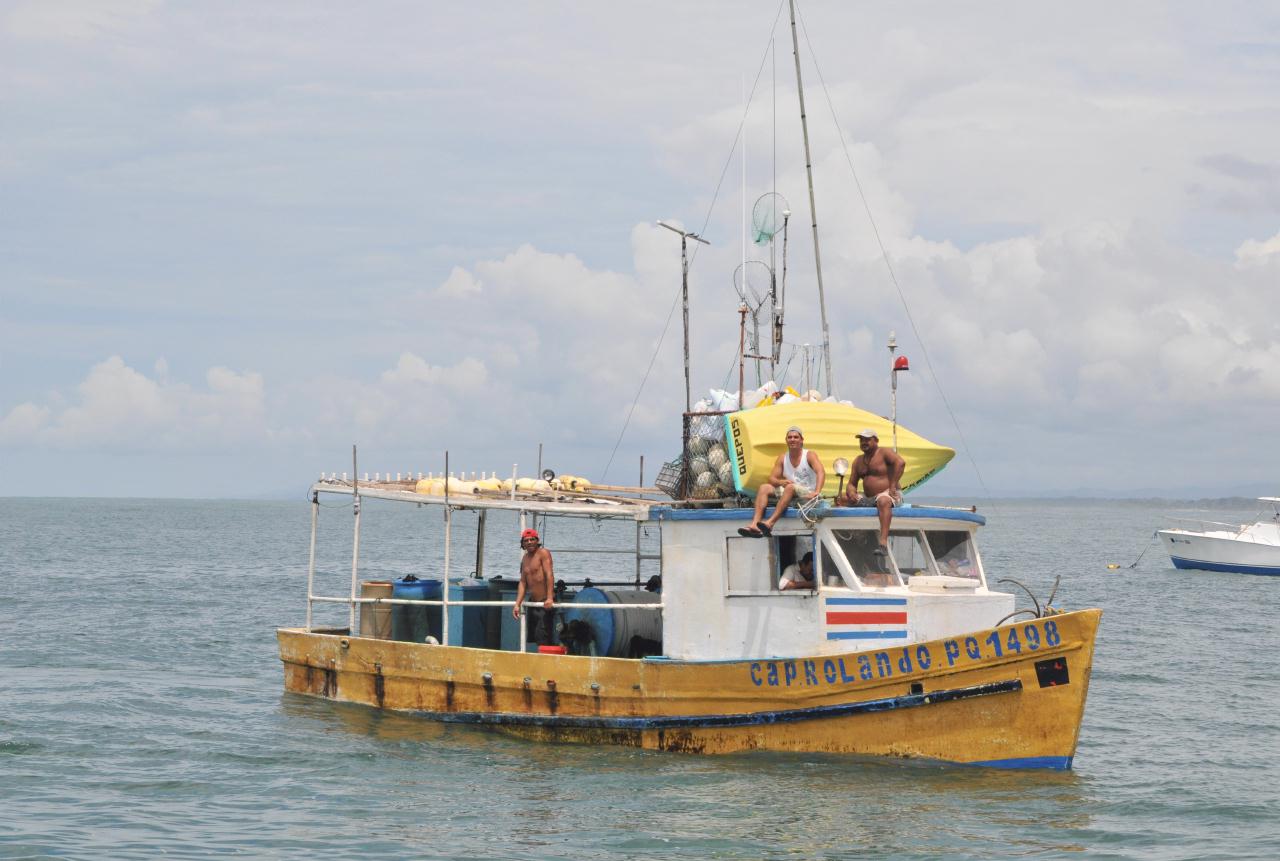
[884, 255]
[694, 256]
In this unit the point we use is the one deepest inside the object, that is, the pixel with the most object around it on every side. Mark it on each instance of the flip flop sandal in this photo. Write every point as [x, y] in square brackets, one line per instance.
[764, 530]
[748, 532]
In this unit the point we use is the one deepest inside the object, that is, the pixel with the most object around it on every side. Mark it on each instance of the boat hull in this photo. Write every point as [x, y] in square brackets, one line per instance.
[1007, 697]
[1208, 552]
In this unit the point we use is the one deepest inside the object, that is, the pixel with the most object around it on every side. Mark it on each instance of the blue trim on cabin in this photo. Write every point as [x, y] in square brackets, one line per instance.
[1234, 568]
[1056, 763]
[866, 635]
[665, 512]
[863, 602]
[783, 716]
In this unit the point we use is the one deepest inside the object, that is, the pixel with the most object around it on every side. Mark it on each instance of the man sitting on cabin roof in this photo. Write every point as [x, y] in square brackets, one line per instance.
[880, 470]
[796, 472]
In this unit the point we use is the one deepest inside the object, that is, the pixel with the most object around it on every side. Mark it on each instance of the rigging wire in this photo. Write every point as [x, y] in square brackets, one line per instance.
[884, 255]
[694, 256]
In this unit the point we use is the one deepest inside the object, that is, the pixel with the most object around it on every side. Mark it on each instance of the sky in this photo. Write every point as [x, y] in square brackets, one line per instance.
[237, 239]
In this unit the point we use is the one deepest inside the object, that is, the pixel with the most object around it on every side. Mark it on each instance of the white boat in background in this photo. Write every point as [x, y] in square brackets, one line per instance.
[1248, 549]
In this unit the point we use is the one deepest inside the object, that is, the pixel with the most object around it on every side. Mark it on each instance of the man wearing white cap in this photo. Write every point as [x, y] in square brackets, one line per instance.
[796, 473]
[880, 470]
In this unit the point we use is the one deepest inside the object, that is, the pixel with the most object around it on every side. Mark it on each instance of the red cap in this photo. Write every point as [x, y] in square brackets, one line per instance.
[529, 533]
[900, 364]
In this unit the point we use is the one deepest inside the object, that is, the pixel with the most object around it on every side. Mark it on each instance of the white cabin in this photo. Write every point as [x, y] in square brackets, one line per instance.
[723, 600]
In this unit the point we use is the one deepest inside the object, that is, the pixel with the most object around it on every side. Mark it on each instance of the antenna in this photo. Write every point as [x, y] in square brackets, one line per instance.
[770, 215]
[754, 282]
[685, 236]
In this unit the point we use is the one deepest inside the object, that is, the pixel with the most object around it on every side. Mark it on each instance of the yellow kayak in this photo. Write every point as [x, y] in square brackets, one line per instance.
[756, 438]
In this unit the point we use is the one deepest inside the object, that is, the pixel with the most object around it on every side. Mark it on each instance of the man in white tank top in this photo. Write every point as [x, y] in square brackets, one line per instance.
[797, 472]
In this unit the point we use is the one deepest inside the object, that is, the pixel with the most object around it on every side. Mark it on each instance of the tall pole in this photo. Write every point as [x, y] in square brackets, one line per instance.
[684, 294]
[893, 388]
[355, 540]
[813, 211]
[685, 236]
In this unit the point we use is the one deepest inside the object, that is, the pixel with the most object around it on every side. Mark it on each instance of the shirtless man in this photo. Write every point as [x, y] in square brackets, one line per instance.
[537, 580]
[796, 472]
[880, 470]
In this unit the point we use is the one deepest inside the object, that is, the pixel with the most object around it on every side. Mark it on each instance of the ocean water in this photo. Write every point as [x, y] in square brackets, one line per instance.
[142, 712]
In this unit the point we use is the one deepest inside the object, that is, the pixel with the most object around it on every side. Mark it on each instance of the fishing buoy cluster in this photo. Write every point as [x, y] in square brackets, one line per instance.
[709, 468]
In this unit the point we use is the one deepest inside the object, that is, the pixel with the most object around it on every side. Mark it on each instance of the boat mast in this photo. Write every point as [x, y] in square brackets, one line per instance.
[813, 211]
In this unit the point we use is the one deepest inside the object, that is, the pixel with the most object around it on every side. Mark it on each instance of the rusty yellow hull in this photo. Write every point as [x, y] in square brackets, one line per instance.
[1010, 697]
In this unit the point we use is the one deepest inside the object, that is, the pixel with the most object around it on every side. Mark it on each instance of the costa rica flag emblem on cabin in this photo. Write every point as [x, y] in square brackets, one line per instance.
[866, 618]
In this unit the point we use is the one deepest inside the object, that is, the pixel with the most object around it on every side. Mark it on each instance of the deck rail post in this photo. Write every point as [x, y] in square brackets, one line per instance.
[355, 543]
[311, 561]
[444, 586]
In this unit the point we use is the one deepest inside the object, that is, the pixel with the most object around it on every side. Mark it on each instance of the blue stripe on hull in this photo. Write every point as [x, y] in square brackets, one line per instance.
[1056, 763]
[656, 722]
[1178, 562]
[866, 635]
[867, 602]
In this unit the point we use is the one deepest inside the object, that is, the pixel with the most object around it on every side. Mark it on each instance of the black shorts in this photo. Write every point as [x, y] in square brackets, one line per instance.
[541, 625]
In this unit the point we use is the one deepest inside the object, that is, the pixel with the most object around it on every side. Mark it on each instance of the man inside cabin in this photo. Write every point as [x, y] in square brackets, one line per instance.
[880, 471]
[537, 582]
[797, 575]
[796, 473]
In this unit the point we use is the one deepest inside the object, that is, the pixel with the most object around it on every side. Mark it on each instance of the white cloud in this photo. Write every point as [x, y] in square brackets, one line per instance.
[459, 284]
[1254, 253]
[119, 408]
[413, 370]
[1075, 215]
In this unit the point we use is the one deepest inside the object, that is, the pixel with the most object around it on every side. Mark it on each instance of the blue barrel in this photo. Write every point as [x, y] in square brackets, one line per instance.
[601, 621]
[468, 626]
[414, 623]
[612, 631]
[509, 638]
[493, 617]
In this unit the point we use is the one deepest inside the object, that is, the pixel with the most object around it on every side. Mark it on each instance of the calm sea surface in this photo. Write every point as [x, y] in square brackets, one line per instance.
[141, 712]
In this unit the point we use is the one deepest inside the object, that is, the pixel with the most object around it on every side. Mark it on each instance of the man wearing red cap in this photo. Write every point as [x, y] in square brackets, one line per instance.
[537, 580]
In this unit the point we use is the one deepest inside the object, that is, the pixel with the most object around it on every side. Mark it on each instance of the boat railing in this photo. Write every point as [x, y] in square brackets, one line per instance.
[1236, 527]
[445, 604]
[636, 510]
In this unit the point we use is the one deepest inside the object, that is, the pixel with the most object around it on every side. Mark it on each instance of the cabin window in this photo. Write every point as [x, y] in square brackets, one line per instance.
[832, 576]
[859, 546]
[751, 567]
[788, 551]
[909, 553]
[955, 554]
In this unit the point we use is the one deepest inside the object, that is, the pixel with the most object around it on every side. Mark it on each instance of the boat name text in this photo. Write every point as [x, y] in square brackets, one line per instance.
[1013, 640]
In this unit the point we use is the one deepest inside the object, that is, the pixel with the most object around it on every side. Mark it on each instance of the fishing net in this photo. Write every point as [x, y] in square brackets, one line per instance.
[754, 282]
[703, 470]
[767, 216]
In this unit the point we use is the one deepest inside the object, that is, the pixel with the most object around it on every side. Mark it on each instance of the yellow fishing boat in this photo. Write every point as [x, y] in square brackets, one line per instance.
[734, 643]
[757, 436]
[912, 655]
